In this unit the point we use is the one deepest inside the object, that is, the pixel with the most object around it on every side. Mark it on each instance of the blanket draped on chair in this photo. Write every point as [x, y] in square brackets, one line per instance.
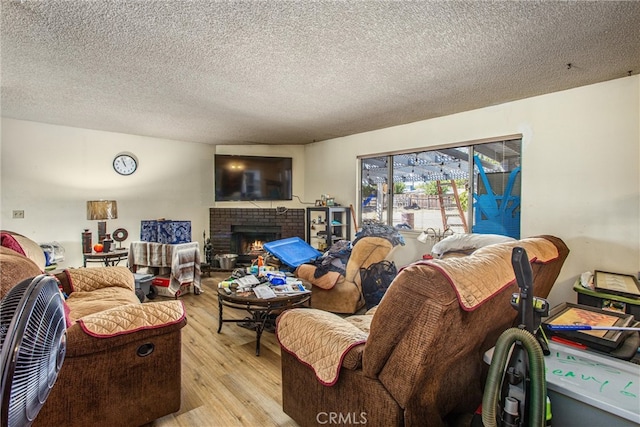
[183, 260]
[476, 278]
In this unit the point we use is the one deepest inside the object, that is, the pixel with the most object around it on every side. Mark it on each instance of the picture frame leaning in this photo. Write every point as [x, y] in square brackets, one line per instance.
[577, 314]
[616, 283]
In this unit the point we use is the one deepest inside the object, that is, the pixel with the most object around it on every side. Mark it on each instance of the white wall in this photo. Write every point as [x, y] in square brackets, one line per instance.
[51, 171]
[580, 174]
[580, 178]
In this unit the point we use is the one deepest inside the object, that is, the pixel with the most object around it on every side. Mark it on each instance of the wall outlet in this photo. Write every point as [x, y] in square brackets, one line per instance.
[18, 214]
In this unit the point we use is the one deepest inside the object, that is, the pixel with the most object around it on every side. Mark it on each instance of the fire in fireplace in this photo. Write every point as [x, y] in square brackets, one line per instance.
[256, 246]
[247, 240]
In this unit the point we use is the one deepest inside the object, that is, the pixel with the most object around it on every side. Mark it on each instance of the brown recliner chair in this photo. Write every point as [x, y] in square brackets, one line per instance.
[123, 358]
[417, 359]
[343, 293]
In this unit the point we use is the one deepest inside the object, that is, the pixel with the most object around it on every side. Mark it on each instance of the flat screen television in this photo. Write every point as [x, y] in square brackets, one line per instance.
[249, 178]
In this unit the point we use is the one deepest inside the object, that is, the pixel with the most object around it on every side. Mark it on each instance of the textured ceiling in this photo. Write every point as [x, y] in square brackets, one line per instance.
[275, 72]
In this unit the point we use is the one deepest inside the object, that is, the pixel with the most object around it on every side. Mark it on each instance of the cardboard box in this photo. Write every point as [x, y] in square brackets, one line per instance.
[174, 232]
[162, 281]
[161, 284]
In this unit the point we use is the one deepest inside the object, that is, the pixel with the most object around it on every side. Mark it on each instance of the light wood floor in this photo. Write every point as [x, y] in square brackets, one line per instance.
[223, 382]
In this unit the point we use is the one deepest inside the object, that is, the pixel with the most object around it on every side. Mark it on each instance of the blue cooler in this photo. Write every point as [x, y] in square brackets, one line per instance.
[292, 251]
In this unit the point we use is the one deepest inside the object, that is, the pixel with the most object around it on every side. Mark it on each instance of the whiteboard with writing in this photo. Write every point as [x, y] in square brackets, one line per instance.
[609, 384]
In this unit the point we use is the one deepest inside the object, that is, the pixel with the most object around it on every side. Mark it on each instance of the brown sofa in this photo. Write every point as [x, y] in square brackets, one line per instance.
[416, 358]
[122, 366]
[343, 293]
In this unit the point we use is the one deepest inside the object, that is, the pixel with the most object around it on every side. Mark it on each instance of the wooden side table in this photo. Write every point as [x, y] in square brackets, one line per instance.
[108, 259]
[206, 269]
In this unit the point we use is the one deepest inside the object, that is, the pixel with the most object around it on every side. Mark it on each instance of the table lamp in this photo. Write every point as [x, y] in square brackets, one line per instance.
[102, 210]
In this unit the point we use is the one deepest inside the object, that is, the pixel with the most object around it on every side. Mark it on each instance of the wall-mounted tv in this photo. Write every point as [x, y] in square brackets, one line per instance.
[248, 178]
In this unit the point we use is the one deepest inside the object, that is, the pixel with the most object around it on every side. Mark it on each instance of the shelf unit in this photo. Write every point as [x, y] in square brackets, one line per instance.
[326, 225]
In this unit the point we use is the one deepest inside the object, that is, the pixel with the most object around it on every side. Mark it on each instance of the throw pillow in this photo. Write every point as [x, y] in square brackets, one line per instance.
[463, 242]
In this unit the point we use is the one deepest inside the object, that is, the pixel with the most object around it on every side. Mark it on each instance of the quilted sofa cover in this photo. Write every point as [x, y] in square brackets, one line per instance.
[122, 365]
[123, 357]
[422, 362]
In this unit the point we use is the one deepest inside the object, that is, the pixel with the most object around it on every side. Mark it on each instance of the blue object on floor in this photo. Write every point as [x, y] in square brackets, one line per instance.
[292, 251]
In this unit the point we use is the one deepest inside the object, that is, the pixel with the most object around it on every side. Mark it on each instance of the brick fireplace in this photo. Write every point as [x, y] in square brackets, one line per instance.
[234, 230]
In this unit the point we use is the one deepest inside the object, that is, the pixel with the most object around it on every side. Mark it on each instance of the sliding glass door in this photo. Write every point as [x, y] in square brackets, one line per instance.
[473, 188]
[374, 197]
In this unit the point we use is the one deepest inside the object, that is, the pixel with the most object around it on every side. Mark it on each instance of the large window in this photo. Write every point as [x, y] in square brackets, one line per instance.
[473, 188]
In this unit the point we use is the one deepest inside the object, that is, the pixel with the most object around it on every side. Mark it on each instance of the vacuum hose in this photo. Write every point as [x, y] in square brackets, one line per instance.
[537, 410]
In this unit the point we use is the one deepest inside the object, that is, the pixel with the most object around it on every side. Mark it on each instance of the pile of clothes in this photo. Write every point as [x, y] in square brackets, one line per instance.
[336, 258]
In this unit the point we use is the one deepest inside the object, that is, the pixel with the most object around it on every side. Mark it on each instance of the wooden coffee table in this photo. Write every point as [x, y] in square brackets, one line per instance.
[262, 311]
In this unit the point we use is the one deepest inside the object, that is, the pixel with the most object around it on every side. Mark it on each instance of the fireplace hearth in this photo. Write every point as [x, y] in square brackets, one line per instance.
[241, 231]
[247, 240]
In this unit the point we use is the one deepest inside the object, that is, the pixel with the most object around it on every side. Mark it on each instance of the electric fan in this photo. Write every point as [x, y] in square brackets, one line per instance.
[33, 346]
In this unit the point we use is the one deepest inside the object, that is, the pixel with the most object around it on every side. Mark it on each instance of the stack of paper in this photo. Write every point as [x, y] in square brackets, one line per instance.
[264, 292]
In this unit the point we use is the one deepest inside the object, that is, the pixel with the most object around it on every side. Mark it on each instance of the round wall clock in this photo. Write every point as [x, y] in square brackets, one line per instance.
[125, 163]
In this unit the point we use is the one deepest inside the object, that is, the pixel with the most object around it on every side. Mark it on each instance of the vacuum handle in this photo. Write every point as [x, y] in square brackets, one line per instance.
[524, 278]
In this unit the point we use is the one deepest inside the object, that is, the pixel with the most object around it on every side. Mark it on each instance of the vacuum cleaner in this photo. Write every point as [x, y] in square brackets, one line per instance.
[515, 393]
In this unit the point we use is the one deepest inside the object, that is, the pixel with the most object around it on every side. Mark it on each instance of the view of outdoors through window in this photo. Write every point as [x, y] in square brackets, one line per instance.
[461, 190]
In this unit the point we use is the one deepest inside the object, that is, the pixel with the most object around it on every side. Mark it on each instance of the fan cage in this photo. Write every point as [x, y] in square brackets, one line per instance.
[33, 338]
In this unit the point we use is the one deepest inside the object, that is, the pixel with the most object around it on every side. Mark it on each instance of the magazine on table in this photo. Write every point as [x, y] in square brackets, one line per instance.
[290, 289]
[247, 281]
[264, 292]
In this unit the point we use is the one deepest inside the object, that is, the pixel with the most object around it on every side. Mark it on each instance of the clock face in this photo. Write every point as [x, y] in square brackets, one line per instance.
[125, 164]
